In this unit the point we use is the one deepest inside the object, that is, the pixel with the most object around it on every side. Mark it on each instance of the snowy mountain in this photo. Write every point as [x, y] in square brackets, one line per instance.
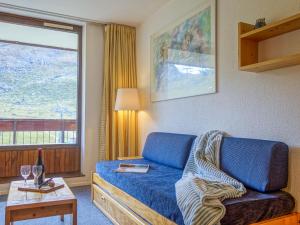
[37, 82]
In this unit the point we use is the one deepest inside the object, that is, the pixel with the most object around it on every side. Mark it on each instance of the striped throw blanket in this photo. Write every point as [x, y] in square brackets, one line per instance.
[204, 186]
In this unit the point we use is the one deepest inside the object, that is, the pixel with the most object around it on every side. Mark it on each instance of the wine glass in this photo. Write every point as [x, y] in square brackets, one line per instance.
[25, 172]
[37, 171]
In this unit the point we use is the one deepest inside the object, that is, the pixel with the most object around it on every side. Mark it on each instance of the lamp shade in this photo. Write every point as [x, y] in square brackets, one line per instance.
[127, 99]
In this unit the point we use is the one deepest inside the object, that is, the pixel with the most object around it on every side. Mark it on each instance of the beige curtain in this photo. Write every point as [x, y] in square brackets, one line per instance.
[118, 130]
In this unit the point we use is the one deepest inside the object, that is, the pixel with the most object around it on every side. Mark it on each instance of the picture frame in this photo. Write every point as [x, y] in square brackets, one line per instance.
[183, 56]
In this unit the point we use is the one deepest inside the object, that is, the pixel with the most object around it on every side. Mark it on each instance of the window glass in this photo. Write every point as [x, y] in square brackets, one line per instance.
[38, 85]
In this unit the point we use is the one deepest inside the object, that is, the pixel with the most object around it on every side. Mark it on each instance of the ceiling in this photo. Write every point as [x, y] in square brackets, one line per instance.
[130, 12]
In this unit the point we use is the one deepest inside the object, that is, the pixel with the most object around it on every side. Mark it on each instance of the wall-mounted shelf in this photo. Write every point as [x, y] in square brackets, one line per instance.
[249, 39]
[272, 64]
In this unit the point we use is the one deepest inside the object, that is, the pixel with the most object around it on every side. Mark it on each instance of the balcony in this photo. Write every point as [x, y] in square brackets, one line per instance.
[37, 131]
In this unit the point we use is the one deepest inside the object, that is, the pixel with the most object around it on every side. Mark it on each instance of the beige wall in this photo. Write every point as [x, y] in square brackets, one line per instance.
[264, 106]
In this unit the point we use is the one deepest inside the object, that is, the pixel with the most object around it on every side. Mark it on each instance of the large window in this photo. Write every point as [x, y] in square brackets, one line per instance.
[39, 82]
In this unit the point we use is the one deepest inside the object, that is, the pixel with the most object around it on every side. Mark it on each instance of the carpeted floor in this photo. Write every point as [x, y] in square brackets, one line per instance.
[88, 214]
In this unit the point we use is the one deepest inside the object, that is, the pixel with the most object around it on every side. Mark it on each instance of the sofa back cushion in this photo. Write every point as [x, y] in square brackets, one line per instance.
[258, 164]
[168, 149]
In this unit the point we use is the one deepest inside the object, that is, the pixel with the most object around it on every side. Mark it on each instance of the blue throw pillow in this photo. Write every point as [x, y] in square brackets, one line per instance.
[258, 164]
[168, 149]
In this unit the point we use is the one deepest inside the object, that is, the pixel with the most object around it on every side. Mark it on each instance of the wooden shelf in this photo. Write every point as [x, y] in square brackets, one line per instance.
[274, 29]
[271, 64]
[249, 39]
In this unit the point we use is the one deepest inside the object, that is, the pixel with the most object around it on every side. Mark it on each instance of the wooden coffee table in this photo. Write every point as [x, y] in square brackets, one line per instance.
[28, 205]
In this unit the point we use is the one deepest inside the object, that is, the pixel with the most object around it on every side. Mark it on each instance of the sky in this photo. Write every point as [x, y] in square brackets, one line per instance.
[35, 35]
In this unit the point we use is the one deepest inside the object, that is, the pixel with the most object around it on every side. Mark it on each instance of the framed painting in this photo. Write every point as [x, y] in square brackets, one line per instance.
[183, 56]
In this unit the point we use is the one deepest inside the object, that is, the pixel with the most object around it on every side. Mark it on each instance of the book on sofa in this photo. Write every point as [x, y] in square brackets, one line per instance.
[132, 168]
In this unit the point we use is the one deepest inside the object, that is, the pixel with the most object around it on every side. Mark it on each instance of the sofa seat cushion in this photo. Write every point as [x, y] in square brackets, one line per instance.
[168, 149]
[255, 206]
[156, 189]
[260, 165]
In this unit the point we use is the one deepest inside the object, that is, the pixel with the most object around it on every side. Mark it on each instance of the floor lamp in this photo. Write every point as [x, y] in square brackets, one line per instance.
[127, 100]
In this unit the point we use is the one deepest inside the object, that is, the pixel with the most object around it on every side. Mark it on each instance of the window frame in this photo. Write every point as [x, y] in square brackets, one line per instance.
[51, 25]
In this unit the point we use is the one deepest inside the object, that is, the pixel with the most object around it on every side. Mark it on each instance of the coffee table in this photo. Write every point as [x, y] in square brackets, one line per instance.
[29, 205]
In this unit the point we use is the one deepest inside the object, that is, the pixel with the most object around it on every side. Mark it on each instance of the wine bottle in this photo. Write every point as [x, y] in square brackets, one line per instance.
[39, 162]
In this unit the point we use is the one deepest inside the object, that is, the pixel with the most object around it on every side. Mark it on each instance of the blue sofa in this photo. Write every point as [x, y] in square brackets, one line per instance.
[262, 166]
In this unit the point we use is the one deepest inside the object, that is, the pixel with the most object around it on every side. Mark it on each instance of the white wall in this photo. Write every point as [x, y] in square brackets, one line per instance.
[92, 92]
[106, 11]
[264, 106]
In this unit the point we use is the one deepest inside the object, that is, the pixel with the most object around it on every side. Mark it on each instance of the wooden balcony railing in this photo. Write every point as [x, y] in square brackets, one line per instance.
[37, 131]
[62, 160]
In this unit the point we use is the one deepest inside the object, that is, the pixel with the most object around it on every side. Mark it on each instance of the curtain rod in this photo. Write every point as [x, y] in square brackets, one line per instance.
[37, 11]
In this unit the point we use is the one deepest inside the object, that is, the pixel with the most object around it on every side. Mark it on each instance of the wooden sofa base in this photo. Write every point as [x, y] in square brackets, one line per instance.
[123, 209]
[290, 219]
